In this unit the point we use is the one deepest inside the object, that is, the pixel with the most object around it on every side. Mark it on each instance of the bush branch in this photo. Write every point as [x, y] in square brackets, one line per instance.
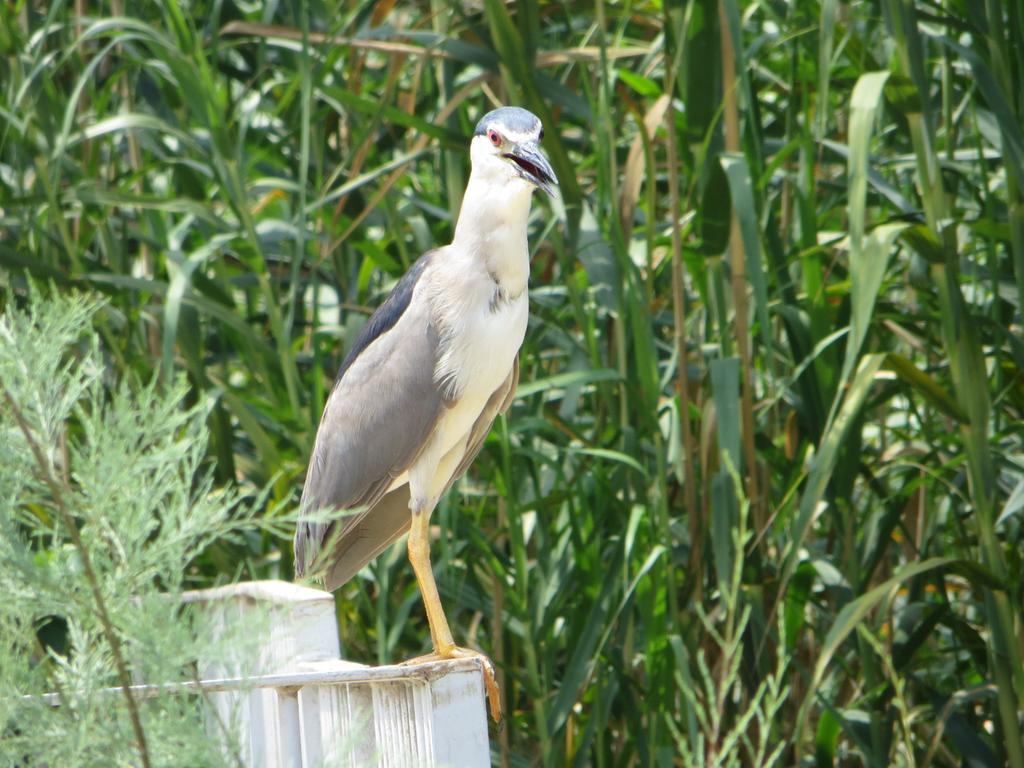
[90, 574]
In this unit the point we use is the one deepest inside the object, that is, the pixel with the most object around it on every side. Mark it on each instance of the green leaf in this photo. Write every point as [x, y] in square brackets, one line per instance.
[742, 194]
[854, 612]
[566, 380]
[610, 455]
[867, 270]
[797, 596]
[826, 33]
[1013, 505]
[824, 461]
[715, 212]
[867, 262]
[826, 741]
[926, 385]
[725, 388]
[642, 85]
[998, 101]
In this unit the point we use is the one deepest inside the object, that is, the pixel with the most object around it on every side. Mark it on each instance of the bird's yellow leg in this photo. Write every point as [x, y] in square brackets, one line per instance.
[440, 634]
[419, 556]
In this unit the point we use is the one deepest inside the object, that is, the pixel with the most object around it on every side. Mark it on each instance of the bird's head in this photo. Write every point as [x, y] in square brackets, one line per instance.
[506, 149]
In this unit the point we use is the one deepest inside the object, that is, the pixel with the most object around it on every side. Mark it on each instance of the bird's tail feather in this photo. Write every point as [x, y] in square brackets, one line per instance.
[366, 538]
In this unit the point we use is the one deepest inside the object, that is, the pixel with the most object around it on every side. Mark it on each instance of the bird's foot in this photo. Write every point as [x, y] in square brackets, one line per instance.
[490, 681]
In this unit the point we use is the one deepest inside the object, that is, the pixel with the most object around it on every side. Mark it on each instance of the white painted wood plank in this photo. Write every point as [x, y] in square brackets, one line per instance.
[296, 624]
[290, 749]
[309, 725]
[403, 723]
[426, 715]
[460, 720]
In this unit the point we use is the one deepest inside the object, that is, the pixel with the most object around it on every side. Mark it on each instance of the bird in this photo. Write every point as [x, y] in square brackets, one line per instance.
[420, 387]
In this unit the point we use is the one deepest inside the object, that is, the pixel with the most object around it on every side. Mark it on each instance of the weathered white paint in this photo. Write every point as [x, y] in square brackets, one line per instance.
[304, 707]
[296, 624]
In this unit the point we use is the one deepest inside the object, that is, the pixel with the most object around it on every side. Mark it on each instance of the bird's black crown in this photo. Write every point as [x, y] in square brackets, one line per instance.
[515, 119]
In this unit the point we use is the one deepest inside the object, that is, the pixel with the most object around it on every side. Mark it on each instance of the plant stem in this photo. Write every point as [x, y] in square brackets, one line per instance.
[738, 268]
[679, 321]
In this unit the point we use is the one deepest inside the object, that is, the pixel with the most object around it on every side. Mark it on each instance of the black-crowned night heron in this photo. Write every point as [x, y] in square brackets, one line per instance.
[421, 386]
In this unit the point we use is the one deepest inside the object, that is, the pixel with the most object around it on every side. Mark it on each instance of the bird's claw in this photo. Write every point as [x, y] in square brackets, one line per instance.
[487, 667]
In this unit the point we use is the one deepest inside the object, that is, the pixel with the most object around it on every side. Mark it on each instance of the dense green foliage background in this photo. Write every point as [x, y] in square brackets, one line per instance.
[759, 496]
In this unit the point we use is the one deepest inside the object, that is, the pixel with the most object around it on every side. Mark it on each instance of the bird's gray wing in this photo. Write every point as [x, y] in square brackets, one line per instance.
[367, 535]
[378, 417]
[498, 402]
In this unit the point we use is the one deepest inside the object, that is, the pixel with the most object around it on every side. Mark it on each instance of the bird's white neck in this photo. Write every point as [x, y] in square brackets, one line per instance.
[491, 229]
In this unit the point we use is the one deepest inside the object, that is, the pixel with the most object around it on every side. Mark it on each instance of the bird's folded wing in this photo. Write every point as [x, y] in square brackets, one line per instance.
[498, 402]
[365, 536]
[369, 534]
[379, 416]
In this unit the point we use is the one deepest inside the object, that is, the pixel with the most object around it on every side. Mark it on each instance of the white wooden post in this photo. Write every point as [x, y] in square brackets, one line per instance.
[279, 627]
[301, 706]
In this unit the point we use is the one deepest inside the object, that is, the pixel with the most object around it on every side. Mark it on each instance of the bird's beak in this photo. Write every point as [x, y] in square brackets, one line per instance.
[528, 159]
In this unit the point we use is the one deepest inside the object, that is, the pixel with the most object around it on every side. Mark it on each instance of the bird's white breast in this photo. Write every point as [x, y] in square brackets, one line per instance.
[482, 329]
[476, 289]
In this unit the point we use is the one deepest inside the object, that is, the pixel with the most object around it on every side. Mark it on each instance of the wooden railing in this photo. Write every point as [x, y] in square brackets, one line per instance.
[281, 697]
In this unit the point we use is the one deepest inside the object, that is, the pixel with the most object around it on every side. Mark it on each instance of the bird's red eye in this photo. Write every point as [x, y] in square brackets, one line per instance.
[494, 137]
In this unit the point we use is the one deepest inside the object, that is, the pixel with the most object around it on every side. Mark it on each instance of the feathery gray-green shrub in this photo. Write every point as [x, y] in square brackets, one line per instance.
[104, 503]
